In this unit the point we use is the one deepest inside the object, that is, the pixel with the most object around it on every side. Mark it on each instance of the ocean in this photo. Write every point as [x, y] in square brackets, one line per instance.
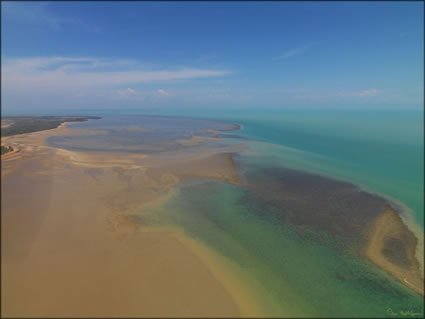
[383, 151]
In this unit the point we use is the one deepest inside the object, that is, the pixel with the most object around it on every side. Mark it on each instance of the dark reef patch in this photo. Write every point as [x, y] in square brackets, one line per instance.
[307, 199]
[322, 208]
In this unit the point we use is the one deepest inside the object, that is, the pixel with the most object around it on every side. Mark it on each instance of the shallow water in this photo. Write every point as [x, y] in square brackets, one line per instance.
[301, 269]
[381, 150]
[137, 134]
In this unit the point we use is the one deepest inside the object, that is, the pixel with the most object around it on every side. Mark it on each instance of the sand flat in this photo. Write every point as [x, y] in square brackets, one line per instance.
[392, 246]
[77, 247]
[63, 256]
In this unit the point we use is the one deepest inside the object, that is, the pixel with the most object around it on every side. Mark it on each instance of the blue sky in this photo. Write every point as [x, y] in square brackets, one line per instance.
[212, 55]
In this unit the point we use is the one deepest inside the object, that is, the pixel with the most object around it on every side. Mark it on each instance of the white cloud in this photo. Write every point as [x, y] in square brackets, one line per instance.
[126, 92]
[294, 52]
[162, 92]
[49, 82]
[77, 73]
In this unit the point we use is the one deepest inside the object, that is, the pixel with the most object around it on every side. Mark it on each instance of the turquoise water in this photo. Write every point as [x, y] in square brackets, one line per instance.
[306, 272]
[304, 277]
[381, 150]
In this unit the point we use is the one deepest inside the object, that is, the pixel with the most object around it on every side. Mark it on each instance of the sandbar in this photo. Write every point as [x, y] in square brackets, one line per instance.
[392, 246]
[70, 247]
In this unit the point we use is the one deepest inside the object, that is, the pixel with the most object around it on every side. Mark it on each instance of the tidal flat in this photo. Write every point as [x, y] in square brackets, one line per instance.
[138, 216]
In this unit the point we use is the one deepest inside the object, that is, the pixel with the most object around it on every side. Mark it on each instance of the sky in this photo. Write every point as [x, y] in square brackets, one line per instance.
[214, 55]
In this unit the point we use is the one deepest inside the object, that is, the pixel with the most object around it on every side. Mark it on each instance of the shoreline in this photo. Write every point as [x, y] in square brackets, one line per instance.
[279, 182]
[389, 231]
[406, 214]
[36, 123]
[8, 154]
[229, 275]
[164, 174]
[109, 188]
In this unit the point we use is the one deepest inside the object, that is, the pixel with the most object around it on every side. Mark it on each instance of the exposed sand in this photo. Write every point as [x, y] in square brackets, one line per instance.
[210, 165]
[10, 154]
[71, 249]
[198, 139]
[71, 246]
[392, 246]
[6, 123]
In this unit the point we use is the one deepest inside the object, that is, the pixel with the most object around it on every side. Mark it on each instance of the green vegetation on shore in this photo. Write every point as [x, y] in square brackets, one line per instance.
[28, 124]
[6, 149]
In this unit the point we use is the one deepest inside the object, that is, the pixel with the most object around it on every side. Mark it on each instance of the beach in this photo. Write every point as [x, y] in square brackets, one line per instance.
[70, 249]
[189, 226]
[392, 246]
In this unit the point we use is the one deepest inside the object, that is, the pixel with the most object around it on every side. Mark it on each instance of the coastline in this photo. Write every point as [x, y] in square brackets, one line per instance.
[111, 187]
[155, 177]
[240, 287]
[284, 186]
[388, 233]
[405, 213]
